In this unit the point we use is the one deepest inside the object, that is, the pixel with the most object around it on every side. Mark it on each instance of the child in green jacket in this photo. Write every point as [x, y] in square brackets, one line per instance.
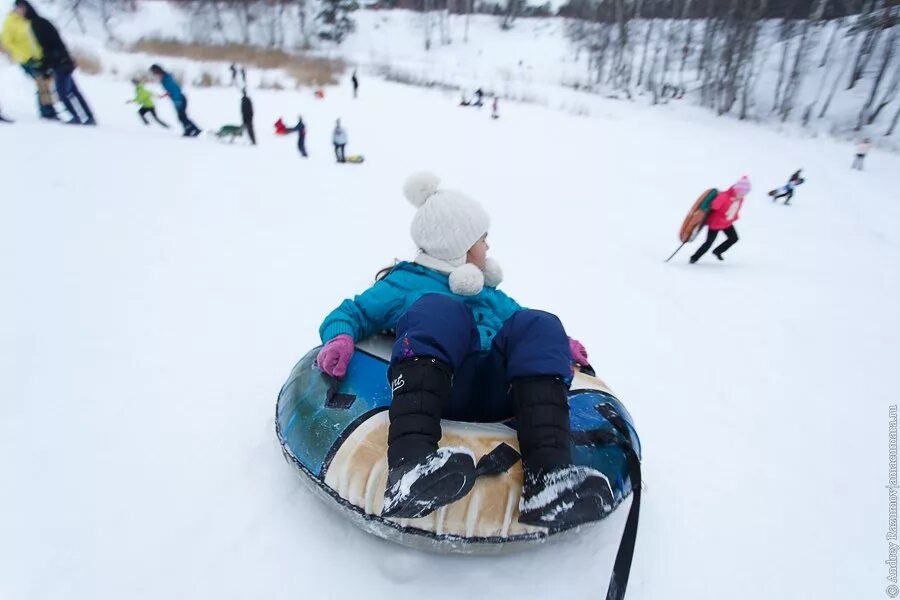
[144, 98]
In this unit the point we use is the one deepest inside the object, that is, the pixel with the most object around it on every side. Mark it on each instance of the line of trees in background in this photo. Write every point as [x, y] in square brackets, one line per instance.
[259, 22]
[716, 49]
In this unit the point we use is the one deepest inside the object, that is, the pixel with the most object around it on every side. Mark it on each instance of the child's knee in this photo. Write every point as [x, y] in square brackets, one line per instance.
[535, 321]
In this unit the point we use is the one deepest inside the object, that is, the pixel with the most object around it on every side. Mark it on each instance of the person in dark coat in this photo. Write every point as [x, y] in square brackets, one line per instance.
[247, 116]
[300, 128]
[173, 91]
[58, 61]
[355, 81]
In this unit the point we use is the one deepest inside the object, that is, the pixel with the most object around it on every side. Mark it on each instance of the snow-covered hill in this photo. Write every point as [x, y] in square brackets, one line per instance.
[156, 292]
[534, 62]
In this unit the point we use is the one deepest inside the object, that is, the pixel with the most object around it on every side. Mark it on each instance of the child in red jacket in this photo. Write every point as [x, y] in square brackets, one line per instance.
[724, 211]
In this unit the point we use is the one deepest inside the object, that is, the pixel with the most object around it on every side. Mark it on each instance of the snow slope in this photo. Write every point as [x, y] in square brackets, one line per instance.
[157, 291]
[534, 62]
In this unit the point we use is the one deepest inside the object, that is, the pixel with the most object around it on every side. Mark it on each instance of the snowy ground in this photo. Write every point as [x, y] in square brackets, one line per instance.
[534, 62]
[157, 291]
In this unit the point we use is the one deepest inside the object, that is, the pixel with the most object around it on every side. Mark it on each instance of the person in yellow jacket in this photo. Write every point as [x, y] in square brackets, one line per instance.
[18, 41]
[144, 98]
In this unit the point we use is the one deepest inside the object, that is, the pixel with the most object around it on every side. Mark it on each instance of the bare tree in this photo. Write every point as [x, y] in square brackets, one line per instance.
[889, 95]
[872, 23]
[894, 121]
[876, 83]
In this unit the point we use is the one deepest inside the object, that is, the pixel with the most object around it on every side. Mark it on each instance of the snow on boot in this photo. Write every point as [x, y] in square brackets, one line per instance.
[556, 493]
[416, 489]
[564, 497]
[421, 477]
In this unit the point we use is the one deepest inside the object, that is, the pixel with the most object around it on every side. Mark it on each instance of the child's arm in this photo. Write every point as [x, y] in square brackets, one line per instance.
[375, 309]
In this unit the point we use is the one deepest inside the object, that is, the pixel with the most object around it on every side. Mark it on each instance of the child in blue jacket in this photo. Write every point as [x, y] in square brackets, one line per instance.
[173, 91]
[466, 351]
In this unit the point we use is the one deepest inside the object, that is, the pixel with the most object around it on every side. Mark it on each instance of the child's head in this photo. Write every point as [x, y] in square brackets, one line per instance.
[447, 224]
[135, 81]
[742, 187]
[452, 228]
[24, 9]
[157, 71]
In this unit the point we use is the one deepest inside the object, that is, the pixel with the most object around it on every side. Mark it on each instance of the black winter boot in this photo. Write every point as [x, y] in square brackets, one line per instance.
[556, 493]
[421, 477]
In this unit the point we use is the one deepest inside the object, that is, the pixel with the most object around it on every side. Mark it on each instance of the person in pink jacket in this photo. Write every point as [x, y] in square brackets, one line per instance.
[723, 212]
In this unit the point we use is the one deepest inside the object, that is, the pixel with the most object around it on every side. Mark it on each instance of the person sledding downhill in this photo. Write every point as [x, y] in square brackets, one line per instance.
[724, 211]
[466, 351]
[787, 191]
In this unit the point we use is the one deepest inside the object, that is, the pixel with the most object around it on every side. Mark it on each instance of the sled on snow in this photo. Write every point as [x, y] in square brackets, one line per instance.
[696, 217]
[334, 432]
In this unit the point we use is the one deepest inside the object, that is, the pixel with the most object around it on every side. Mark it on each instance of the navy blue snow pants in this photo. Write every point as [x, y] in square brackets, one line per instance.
[531, 343]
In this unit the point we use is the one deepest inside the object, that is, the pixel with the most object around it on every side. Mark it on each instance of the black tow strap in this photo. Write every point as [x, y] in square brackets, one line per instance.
[622, 568]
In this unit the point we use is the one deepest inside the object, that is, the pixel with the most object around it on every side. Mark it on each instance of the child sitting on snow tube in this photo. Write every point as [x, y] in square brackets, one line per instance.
[466, 351]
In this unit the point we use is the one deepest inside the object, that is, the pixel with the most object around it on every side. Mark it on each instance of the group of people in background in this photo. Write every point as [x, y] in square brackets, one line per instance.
[478, 101]
[339, 137]
[35, 44]
[234, 75]
[725, 209]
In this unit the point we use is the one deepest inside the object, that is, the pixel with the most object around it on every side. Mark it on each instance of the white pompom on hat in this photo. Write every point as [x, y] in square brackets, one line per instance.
[447, 224]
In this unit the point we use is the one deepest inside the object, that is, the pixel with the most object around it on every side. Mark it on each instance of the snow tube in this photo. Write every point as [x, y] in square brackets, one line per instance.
[335, 434]
[696, 217]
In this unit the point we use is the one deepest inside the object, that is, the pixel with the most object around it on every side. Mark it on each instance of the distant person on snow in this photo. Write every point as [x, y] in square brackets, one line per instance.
[23, 49]
[247, 116]
[495, 108]
[174, 92]
[244, 76]
[355, 81]
[339, 139]
[787, 191]
[300, 128]
[234, 74]
[144, 98]
[466, 351]
[724, 211]
[478, 97]
[57, 60]
[862, 149]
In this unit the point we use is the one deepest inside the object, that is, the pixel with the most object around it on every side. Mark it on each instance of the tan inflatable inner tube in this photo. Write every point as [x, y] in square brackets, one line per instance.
[358, 473]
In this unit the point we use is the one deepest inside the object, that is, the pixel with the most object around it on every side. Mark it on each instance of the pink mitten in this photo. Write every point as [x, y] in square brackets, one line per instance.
[334, 356]
[579, 354]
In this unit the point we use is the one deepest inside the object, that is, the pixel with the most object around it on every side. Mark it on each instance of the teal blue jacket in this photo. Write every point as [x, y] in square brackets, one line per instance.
[379, 307]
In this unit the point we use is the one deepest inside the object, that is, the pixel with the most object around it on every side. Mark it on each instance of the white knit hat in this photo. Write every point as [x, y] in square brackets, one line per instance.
[447, 224]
